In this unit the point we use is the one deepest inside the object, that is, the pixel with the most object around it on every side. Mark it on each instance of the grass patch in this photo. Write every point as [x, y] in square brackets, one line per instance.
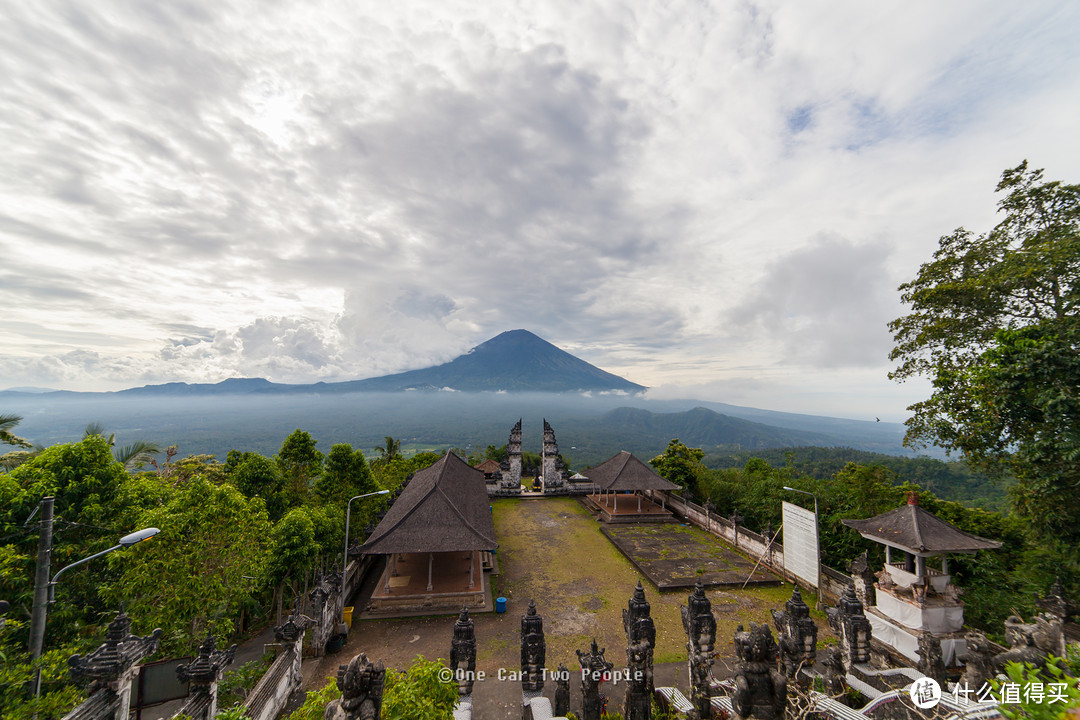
[552, 551]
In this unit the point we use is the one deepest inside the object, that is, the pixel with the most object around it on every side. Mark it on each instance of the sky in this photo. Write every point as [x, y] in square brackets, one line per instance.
[714, 199]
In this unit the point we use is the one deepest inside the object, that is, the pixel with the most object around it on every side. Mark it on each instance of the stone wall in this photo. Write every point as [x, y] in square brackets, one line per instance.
[272, 692]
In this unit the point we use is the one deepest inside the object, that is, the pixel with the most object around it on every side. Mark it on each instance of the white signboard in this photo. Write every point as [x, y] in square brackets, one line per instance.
[800, 543]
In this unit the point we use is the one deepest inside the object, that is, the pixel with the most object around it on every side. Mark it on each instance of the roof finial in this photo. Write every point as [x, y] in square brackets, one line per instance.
[913, 498]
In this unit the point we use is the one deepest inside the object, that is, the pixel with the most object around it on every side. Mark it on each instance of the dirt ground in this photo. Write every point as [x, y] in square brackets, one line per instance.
[551, 550]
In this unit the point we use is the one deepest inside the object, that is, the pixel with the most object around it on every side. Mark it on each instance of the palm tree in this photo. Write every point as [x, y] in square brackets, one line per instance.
[7, 422]
[131, 456]
[390, 449]
[15, 457]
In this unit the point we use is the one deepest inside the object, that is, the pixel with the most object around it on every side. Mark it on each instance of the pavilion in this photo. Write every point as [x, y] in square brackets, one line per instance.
[911, 597]
[623, 474]
[438, 538]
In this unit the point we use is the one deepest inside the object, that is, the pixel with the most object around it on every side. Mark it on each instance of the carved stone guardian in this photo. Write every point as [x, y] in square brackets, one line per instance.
[593, 669]
[863, 579]
[640, 628]
[797, 634]
[637, 705]
[832, 660]
[533, 650]
[700, 627]
[1030, 642]
[849, 621]
[979, 662]
[562, 691]
[931, 663]
[760, 689]
[361, 684]
[463, 653]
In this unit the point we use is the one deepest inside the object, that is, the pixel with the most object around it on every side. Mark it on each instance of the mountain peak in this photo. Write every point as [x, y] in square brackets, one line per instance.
[514, 360]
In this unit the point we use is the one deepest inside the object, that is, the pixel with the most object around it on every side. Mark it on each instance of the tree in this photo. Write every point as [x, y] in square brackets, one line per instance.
[258, 476]
[190, 578]
[994, 325]
[299, 463]
[346, 474]
[390, 449]
[133, 456]
[293, 552]
[15, 458]
[681, 465]
[7, 423]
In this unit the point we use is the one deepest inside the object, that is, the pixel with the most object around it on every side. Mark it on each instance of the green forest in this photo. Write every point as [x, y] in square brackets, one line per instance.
[238, 540]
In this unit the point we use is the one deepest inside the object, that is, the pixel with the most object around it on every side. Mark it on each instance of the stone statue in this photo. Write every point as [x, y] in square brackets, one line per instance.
[640, 628]
[562, 691]
[863, 579]
[637, 704]
[533, 650]
[361, 685]
[797, 634]
[931, 663]
[760, 689]
[698, 620]
[849, 621]
[700, 627]
[1030, 642]
[463, 653]
[593, 669]
[833, 661]
[1055, 604]
[979, 661]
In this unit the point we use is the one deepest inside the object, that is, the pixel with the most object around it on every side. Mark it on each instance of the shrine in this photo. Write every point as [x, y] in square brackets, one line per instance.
[913, 598]
[626, 478]
[438, 539]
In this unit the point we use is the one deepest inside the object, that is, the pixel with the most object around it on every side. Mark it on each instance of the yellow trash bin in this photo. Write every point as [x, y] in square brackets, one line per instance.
[348, 615]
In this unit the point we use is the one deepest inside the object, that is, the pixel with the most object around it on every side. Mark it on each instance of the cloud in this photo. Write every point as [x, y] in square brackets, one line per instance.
[825, 305]
[324, 191]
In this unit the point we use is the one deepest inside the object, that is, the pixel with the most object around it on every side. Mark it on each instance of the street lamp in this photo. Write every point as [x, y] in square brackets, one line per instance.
[125, 542]
[817, 538]
[345, 554]
[38, 621]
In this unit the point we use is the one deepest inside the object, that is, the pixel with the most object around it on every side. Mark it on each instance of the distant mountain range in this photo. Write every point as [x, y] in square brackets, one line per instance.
[515, 374]
[513, 361]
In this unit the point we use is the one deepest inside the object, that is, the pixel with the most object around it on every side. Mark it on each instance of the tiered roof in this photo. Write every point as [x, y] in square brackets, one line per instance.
[444, 508]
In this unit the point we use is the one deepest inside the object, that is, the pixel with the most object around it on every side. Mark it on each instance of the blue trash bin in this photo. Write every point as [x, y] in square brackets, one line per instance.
[500, 605]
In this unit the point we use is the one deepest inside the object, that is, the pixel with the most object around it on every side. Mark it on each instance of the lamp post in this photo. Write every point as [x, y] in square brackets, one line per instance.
[345, 553]
[124, 542]
[817, 538]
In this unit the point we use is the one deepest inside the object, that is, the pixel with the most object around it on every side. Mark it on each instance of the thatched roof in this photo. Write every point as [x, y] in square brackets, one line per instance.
[488, 466]
[915, 530]
[626, 472]
[444, 508]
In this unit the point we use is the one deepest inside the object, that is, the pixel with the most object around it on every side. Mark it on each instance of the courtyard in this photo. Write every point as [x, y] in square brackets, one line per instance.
[554, 552]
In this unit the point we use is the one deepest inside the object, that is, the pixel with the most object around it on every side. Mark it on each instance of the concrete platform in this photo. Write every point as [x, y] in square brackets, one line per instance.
[402, 587]
[677, 556]
[625, 508]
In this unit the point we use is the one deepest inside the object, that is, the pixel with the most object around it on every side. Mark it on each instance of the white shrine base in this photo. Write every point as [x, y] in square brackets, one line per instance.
[933, 616]
[906, 642]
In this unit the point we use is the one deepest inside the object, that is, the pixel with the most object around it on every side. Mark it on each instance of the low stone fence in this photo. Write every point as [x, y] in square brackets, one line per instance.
[272, 692]
[749, 542]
